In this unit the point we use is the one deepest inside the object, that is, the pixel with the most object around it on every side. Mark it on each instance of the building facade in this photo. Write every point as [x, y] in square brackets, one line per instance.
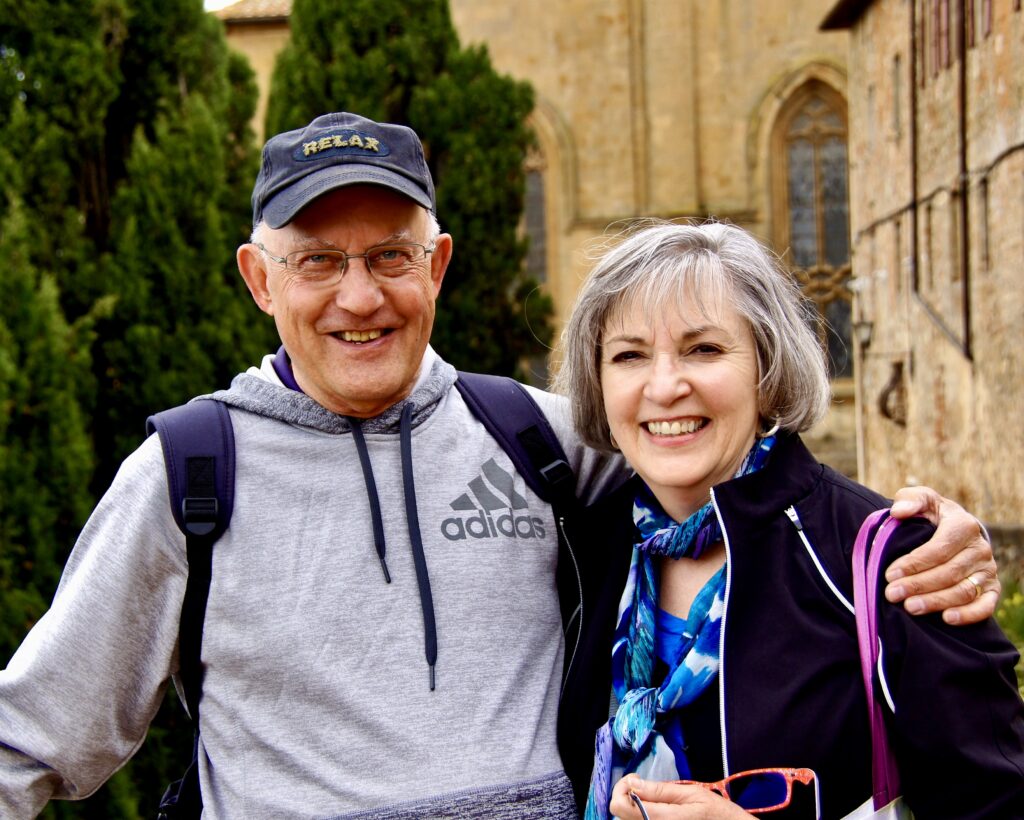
[936, 108]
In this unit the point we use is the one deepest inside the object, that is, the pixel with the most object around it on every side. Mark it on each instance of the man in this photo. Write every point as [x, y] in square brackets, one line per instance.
[419, 678]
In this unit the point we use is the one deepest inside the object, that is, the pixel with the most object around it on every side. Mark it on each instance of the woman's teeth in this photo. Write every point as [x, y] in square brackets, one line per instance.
[674, 428]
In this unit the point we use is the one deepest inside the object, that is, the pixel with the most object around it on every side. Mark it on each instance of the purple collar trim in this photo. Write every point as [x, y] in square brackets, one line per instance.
[283, 368]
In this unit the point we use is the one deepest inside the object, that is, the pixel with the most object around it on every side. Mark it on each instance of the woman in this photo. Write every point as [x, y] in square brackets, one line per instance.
[692, 351]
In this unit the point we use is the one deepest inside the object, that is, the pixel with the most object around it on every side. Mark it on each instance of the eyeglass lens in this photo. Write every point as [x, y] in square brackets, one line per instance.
[763, 790]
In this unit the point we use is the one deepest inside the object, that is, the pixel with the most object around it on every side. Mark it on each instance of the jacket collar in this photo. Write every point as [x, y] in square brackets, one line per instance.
[789, 475]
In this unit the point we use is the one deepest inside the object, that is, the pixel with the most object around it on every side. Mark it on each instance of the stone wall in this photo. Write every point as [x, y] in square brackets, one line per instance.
[937, 217]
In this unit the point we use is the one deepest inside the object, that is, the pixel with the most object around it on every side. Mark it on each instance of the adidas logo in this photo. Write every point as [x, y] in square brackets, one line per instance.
[489, 493]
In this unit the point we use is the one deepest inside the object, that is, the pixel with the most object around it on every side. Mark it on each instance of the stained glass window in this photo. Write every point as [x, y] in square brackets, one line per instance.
[536, 231]
[817, 215]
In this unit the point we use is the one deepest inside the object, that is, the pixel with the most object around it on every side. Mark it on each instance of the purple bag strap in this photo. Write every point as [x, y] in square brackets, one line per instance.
[867, 558]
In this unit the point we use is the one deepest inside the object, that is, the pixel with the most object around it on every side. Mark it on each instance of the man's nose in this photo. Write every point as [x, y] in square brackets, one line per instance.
[359, 292]
[667, 380]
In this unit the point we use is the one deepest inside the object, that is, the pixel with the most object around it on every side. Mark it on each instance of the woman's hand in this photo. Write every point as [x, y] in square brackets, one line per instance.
[670, 801]
[954, 571]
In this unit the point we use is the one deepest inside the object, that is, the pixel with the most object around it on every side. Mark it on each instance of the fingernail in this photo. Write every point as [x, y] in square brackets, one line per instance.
[915, 606]
[896, 593]
[894, 574]
[902, 507]
[951, 617]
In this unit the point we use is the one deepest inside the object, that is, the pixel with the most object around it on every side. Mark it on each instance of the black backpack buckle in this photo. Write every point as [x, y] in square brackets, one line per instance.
[199, 514]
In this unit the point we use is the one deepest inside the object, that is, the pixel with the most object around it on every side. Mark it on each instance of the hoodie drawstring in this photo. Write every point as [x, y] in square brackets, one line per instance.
[412, 518]
[411, 515]
[371, 494]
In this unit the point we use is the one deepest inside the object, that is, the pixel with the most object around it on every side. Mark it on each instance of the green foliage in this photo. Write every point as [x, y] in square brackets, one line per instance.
[374, 58]
[44, 365]
[183, 316]
[1010, 615]
[132, 136]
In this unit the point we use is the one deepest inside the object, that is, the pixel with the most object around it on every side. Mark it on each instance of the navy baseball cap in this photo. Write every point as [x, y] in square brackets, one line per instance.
[331, 152]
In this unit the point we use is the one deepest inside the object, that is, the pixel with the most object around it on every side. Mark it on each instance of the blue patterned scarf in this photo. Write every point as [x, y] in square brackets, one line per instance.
[629, 741]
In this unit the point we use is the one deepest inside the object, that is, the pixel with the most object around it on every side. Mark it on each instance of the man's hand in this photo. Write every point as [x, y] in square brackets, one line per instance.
[670, 801]
[954, 572]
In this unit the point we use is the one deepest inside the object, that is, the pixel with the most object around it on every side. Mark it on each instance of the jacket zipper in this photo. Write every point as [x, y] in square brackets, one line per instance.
[721, 637]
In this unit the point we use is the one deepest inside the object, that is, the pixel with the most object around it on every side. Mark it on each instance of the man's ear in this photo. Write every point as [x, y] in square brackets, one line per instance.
[253, 268]
[439, 260]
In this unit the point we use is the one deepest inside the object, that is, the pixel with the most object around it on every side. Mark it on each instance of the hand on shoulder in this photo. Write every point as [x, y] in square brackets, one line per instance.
[954, 572]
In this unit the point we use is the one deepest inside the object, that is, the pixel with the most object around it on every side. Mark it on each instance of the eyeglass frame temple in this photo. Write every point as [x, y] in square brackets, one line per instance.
[639, 804]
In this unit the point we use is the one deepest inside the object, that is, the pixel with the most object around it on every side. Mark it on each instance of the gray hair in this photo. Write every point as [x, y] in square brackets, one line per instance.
[708, 264]
[433, 229]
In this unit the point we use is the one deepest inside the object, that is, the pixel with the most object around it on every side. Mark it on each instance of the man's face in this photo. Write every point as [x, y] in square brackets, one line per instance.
[355, 345]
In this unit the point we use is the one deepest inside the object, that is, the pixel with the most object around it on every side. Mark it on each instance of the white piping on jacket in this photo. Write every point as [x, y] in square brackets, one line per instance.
[721, 636]
[791, 513]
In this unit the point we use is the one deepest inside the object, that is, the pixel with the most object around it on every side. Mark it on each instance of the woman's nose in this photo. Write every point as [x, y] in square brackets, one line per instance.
[667, 381]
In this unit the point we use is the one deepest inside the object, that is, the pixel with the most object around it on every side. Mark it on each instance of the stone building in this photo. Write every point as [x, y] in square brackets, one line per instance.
[936, 102]
[668, 108]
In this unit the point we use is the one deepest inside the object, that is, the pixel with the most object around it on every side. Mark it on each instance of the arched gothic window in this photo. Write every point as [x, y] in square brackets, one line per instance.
[811, 209]
[534, 226]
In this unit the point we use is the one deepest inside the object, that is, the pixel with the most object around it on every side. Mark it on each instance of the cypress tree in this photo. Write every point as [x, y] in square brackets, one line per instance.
[45, 453]
[379, 59]
[138, 159]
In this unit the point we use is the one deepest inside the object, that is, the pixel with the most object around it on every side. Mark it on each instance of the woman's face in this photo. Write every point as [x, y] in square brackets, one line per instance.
[680, 393]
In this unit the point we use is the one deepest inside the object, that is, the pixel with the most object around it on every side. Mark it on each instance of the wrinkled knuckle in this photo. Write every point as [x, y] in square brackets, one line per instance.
[961, 564]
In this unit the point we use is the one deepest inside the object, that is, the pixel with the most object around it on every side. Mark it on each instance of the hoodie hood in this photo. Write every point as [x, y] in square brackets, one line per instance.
[261, 391]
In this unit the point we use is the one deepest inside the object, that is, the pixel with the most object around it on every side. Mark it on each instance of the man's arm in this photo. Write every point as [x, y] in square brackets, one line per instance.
[954, 572]
[77, 697]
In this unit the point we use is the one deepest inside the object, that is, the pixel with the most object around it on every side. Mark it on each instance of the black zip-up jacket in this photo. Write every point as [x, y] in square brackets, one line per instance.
[790, 691]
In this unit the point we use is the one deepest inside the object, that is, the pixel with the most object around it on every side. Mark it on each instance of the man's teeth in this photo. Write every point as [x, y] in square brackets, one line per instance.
[359, 335]
[673, 428]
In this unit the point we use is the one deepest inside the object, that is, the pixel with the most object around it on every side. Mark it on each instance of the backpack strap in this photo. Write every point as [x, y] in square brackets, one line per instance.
[515, 421]
[199, 455]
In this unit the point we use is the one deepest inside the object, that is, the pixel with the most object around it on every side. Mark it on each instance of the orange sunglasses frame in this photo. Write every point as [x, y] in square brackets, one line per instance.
[805, 776]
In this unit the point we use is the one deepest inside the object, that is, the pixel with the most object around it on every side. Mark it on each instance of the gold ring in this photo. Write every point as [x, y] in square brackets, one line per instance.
[977, 587]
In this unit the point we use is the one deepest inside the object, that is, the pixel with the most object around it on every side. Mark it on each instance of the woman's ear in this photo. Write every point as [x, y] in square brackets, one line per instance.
[253, 268]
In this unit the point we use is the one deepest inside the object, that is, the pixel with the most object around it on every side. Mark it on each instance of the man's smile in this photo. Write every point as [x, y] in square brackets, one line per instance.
[359, 335]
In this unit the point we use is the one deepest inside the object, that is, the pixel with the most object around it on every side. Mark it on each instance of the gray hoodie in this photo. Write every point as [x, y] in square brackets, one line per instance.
[316, 698]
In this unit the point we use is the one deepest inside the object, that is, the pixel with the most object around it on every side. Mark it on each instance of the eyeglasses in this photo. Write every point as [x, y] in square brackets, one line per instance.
[758, 790]
[323, 267]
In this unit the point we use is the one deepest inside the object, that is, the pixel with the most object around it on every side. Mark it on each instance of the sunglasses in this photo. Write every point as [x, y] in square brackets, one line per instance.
[756, 791]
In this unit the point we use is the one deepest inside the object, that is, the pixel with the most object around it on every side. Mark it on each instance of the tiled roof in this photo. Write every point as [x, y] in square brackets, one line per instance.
[253, 10]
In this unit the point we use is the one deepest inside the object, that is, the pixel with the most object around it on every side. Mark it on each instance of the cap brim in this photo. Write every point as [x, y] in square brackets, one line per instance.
[284, 206]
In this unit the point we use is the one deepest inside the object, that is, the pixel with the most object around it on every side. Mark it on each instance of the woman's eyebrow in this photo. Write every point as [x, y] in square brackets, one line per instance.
[625, 338]
[690, 335]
